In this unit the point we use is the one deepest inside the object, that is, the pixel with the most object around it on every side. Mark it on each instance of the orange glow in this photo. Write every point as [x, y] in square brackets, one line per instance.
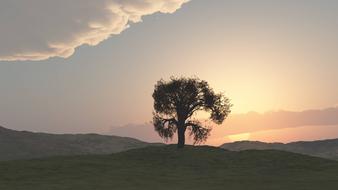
[240, 137]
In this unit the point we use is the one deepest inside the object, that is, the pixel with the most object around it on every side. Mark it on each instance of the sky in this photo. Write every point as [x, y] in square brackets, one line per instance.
[90, 66]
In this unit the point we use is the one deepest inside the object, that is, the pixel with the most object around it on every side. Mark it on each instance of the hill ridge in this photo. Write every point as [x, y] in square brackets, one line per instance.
[167, 168]
[320, 148]
[26, 145]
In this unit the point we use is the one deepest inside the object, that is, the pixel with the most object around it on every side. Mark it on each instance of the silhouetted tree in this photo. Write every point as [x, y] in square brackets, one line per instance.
[177, 100]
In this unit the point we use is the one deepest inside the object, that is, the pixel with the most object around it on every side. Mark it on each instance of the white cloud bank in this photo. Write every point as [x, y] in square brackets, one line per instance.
[40, 29]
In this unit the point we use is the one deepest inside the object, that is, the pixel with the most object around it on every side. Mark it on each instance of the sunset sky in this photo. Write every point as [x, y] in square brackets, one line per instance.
[90, 66]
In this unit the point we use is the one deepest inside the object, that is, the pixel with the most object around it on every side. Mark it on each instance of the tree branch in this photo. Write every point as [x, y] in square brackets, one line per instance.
[165, 127]
[199, 133]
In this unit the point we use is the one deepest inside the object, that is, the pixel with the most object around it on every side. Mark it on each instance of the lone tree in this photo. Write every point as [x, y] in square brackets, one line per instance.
[175, 103]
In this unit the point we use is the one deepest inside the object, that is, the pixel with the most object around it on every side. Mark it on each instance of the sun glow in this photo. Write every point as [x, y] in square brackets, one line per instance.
[239, 137]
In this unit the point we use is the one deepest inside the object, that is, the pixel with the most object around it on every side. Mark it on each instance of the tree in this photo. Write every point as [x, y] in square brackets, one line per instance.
[177, 101]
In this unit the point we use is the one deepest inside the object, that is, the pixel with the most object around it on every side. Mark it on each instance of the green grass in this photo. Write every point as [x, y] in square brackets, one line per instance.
[162, 168]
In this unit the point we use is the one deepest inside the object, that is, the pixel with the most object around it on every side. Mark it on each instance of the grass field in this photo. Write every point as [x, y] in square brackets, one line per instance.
[168, 168]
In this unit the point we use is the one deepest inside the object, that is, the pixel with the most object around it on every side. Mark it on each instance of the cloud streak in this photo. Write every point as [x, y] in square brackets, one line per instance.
[253, 123]
[40, 29]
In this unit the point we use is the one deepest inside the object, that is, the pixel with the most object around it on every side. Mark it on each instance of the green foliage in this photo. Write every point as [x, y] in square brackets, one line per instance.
[176, 101]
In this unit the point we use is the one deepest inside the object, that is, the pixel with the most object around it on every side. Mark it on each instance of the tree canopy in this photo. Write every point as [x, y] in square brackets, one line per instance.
[177, 100]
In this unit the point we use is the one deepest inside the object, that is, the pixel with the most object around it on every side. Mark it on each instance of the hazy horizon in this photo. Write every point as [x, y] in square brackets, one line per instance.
[93, 68]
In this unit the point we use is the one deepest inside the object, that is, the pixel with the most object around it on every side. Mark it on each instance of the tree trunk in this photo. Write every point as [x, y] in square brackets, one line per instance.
[181, 137]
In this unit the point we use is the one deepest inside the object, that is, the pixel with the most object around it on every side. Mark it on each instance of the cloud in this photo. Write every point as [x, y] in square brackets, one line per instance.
[256, 123]
[40, 29]
[252, 122]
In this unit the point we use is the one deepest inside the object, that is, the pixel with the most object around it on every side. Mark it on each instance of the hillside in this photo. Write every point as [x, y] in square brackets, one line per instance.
[324, 148]
[167, 168]
[26, 145]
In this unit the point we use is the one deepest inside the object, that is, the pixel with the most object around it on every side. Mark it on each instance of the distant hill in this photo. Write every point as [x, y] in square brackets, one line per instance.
[168, 168]
[26, 145]
[323, 148]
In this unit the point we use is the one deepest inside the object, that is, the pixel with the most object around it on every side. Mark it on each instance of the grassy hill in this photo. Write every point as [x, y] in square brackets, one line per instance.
[26, 145]
[323, 148]
[168, 168]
